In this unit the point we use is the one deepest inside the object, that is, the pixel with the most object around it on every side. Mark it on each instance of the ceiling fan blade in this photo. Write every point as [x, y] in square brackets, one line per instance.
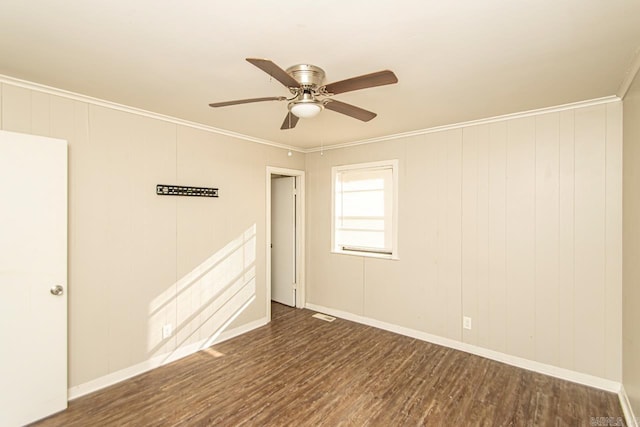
[349, 110]
[379, 78]
[247, 101]
[290, 121]
[274, 71]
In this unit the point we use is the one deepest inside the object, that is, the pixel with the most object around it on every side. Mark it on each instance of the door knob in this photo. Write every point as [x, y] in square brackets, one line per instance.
[57, 290]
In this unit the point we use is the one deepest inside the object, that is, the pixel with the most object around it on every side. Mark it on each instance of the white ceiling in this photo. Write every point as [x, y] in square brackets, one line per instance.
[456, 60]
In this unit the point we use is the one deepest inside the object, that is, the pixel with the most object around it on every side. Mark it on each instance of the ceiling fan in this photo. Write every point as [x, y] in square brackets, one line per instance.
[310, 95]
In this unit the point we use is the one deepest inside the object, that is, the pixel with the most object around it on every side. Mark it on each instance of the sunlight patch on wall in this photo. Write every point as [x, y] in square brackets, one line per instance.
[208, 298]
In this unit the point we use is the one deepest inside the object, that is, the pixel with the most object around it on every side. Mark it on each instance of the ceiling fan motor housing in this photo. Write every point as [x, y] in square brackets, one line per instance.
[307, 75]
[310, 78]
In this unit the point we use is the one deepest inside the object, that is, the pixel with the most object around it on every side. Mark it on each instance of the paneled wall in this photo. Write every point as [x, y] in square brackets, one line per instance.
[631, 287]
[138, 261]
[516, 224]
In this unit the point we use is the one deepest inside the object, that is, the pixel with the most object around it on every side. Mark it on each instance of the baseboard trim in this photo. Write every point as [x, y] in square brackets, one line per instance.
[629, 416]
[542, 368]
[157, 361]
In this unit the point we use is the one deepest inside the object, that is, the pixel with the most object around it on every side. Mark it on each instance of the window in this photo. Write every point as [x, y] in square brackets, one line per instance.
[365, 212]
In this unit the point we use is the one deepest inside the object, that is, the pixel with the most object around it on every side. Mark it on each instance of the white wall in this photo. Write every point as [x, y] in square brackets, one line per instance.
[631, 287]
[138, 260]
[516, 224]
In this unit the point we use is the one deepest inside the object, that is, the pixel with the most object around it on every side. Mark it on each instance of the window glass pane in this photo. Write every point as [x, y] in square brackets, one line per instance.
[363, 180]
[361, 239]
[362, 223]
[366, 203]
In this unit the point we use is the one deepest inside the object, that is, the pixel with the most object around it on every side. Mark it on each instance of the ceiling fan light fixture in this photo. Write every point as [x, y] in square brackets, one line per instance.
[306, 110]
[306, 106]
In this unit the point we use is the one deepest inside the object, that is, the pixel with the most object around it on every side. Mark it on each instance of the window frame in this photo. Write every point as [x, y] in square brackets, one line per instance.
[393, 164]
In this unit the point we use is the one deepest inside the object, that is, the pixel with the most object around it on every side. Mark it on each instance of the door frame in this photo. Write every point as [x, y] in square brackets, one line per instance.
[300, 234]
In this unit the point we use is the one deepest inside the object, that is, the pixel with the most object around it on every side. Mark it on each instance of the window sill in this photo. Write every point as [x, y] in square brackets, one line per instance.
[366, 254]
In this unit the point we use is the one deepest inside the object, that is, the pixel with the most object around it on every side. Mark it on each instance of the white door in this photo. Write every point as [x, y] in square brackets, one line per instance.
[33, 261]
[283, 239]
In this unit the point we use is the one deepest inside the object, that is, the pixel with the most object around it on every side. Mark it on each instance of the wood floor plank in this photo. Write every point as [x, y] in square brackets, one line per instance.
[302, 371]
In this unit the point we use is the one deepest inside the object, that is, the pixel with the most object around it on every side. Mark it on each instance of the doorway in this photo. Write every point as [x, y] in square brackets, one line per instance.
[285, 237]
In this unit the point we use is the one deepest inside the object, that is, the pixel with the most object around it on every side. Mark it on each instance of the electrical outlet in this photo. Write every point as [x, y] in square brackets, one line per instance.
[466, 322]
[167, 330]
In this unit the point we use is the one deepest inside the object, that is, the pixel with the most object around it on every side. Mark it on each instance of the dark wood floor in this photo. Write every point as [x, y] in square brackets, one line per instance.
[302, 371]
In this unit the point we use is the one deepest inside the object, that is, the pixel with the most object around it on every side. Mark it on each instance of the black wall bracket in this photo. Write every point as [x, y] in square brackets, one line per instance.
[178, 190]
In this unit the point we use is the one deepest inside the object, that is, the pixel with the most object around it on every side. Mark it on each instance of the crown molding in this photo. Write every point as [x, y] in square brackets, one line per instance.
[511, 116]
[124, 108]
[631, 73]
[138, 111]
